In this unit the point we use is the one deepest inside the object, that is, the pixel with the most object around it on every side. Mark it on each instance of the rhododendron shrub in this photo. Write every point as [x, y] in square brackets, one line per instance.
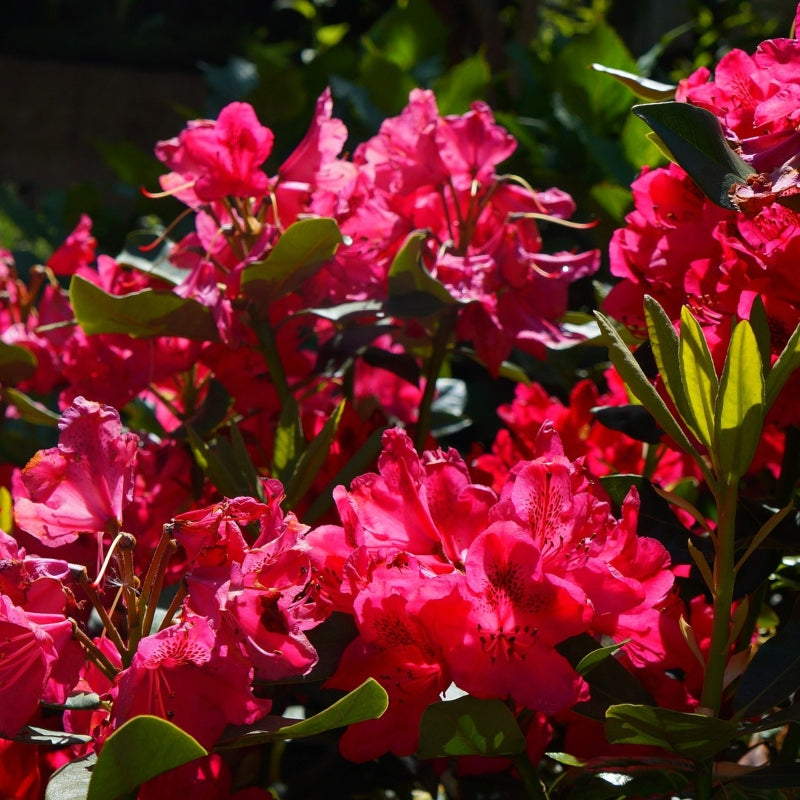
[237, 495]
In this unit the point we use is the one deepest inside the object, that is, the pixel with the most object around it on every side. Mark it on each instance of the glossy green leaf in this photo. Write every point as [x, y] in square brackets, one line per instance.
[739, 415]
[772, 675]
[29, 409]
[689, 735]
[787, 362]
[365, 702]
[597, 657]
[298, 254]
[666, 350]
[312, 458]
[700, 380]
[141, 314]
[469, 726]
[83, 701]
[138, 750]
[630, 371]
[645, 88]
[17, 363]
[142, 252]
[409, 280]
[44, 736]
[71, 782]
[694, 138]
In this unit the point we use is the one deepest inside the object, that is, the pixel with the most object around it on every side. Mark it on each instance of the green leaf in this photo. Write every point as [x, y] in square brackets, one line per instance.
[596, 657]
[773, 777]
[289, 440]
[413, 291]
[84, 701]
[17, 363]
[222, 466]
[700, 380]
[141, 314]
[469, 726]
[312, 459]
[139, 253]
[772, 675]
[462, 84]
[637, 382]
[33, 735]
[645, 88]
[367, 701]
[29, 409]
[666, 350]
[694, 138]
[759, 322]
[71, 782]
[788, 361]
[298, 254]
[739, 415]
[138, 750]
[689, 735]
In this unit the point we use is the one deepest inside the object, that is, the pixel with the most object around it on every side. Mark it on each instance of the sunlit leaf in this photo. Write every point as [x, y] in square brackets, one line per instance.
[138, 750]
[699, 378]
[367, 701]
[29, 409]
[141, 314]
[645, 88]
[469, 726]
[739, 415]
[596, 657]
[71, 782]
[788, 361]
[298, 254]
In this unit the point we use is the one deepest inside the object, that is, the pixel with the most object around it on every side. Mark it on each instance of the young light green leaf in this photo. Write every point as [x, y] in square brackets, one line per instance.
[469, 726]
[138, 750]
[637, 382]
[694, 138]
[739, 413]
[788, 361]
[298, 254]
[666, 350]
[143, 314]
[689, 735]
[365, 702]
[645, 88]
[699, 378]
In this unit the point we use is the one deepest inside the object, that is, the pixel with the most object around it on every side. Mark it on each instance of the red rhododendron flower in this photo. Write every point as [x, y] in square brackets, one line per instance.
[220, 158]
[180, 674]
[83, 485]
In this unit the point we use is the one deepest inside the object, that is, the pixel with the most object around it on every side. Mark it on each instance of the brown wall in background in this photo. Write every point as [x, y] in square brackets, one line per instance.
[52, 113]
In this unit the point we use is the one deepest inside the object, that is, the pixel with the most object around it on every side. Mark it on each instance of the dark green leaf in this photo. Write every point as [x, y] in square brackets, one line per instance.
[71, 782]
[367, 701]
[17, 363]
[219, 464]
[469, 726]
[739, 415]
[29, 409]
[142, 314]
[34, 735]
[312, 459]
[632, 420]
[289, 441]
[85, 701]
[138, 750]
[689, 735]
[772, 675]
[777, 776]
[298, 254]
[596, 657]
[776, 720]
[344, 310]
[694, 138]
[462, 84]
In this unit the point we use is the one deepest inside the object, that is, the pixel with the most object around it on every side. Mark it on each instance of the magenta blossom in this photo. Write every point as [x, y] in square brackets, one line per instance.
[83, 484]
